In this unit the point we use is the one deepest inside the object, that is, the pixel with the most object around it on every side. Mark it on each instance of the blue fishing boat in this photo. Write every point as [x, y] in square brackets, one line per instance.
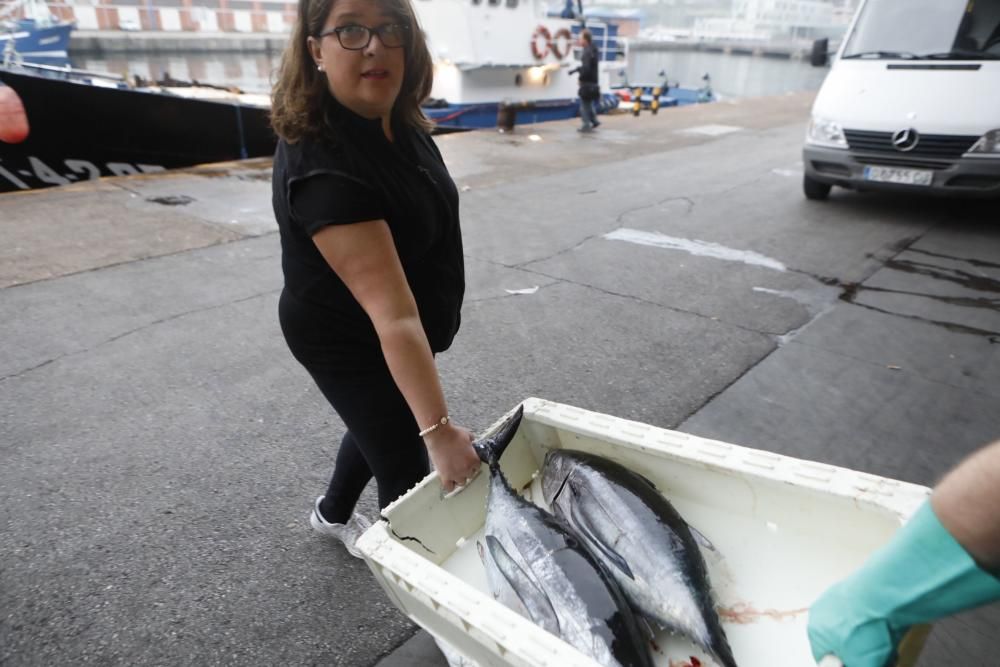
[35, 35]
[508, 62]
[490, 115]
[497, 59]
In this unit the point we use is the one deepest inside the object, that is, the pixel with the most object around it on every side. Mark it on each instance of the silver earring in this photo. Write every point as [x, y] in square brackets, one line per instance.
[319, 67]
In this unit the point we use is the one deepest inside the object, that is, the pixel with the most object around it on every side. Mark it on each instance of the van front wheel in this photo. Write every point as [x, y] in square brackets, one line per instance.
[815, 190]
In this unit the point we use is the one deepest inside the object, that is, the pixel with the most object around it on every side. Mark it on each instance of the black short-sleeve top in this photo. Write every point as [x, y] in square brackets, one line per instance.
[355, 175]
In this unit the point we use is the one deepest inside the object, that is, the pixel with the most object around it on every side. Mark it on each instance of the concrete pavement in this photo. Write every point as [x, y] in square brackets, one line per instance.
[161, 449]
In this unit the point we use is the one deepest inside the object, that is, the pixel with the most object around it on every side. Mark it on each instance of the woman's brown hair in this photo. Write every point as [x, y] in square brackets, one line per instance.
[301, 91]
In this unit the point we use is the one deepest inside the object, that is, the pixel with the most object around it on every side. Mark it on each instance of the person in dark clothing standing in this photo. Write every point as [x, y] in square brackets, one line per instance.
[371, 249]
[589, 89]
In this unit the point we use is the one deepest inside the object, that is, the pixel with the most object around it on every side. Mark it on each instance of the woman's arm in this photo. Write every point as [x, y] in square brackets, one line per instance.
[967, 502]
[364, 257]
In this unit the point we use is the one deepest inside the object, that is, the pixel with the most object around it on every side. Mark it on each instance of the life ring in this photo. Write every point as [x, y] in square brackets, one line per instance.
[562, 52]
[543, 32]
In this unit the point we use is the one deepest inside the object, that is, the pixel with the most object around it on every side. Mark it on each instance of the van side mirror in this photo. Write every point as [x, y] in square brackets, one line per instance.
[820, 53]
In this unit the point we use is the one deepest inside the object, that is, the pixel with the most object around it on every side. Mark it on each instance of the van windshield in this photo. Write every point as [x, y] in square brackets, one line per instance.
[927, 29]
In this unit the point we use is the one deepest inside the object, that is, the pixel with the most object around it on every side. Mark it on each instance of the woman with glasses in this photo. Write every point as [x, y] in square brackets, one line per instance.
[371, 249]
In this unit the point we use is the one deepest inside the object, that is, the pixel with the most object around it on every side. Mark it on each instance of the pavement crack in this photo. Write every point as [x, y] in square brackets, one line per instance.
[847, 290]
[618, 224]
[124, 262]
[725, 388]
[124, 334]
[850, 290]
[557, 253]
[687, 200]
[978, 283]
[647, 302]
[34, 368]
[973, 262]
[967, 302]
[950, 326]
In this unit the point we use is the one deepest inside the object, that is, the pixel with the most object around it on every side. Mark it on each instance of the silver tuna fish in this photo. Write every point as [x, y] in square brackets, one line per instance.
[642, 540]
[535, 565]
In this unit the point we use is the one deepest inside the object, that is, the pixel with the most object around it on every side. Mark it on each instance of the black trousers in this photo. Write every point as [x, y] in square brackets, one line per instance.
[381, 439]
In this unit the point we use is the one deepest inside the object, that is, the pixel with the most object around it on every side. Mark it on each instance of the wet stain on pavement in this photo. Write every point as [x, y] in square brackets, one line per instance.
[171, 200]
[968, 280]
[974, 262]
[993, 336]
[965, 273]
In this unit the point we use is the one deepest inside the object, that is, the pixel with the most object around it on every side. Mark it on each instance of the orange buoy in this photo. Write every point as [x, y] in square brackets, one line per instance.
[541, 51]
[562, 49]
[13, 120]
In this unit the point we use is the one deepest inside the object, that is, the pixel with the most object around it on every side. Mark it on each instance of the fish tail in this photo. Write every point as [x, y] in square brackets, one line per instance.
[492, 447]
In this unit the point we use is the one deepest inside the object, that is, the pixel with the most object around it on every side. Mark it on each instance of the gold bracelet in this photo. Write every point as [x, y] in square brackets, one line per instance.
[435, 426]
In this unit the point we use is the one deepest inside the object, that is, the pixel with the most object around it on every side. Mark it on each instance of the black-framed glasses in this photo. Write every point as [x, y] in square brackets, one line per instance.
[357, 37]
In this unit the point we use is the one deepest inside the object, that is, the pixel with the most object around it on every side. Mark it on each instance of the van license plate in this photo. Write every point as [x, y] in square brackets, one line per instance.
[903, 176]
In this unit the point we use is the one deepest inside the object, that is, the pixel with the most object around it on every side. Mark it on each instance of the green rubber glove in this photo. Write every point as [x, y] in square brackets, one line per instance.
[922, 574]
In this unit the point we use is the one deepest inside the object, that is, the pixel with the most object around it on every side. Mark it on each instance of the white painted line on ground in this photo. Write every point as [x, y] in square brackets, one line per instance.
[792, 170]
[694, 247]
[711, 130]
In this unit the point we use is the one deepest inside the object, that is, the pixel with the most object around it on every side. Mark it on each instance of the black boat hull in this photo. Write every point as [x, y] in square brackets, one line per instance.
[79, 131]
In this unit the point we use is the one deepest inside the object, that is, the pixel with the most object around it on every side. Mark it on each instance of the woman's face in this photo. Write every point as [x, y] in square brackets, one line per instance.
[366, 81]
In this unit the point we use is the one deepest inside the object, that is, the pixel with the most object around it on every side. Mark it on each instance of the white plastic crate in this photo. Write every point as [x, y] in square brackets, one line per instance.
[783, 529]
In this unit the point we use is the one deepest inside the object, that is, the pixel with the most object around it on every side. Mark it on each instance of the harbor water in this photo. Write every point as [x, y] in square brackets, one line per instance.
[732, 75]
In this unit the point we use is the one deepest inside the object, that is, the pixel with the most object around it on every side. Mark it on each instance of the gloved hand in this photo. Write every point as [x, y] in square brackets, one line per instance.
[922, 574]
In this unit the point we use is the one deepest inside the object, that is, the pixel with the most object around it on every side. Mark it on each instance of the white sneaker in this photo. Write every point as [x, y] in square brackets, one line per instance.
[348, 533]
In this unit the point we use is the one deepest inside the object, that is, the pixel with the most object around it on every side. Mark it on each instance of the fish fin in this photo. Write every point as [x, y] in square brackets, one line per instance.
[583, 524]
[533, 598]
[555, 496]
[700, 538]
[647, 481]
[489, 580]
[645, 627]
[491, 448]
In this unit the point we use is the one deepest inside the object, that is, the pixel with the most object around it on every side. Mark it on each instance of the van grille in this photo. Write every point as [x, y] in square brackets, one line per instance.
[901, 161]
[930, 146]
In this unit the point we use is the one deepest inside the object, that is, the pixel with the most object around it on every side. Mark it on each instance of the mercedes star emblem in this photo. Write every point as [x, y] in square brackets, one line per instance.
[905, 140]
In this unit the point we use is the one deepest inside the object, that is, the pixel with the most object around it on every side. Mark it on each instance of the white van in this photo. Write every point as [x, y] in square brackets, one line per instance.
[912, 102]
